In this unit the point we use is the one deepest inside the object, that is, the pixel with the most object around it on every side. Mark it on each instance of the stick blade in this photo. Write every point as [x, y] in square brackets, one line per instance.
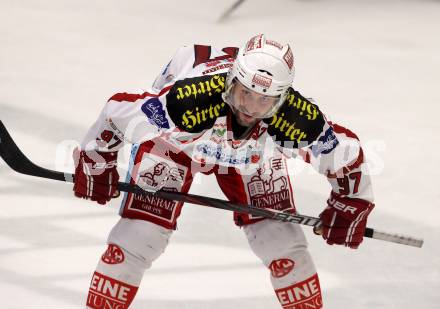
[15, 159]
[10, 152]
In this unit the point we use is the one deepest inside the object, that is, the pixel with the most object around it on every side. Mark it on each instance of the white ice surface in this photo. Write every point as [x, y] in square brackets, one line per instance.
[373, 66]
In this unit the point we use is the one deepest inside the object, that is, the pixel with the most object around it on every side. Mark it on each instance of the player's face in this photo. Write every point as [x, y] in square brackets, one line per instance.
[249, 105]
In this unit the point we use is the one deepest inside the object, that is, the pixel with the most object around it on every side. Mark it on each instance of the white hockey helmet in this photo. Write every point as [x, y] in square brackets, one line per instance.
[265, 67]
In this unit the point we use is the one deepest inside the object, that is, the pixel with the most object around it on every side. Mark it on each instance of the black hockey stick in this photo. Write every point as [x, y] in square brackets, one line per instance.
[13, 157]
[230, 10]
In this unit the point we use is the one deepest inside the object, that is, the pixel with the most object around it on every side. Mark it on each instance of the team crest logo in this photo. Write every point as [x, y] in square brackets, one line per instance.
[280, 268]
[156, 115]
[113, 255]
[160, 174]
[268, 189]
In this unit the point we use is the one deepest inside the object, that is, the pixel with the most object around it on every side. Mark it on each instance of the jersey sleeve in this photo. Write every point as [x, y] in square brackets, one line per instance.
[185, 95]
[301, 129]
[338, 154]
[138, 116]
[128, 118]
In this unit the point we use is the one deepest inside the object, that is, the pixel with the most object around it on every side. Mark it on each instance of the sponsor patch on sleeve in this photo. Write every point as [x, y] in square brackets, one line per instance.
[156, 115]
[325, 143]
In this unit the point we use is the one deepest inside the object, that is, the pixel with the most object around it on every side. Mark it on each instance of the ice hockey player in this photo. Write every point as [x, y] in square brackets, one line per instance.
[235, 114]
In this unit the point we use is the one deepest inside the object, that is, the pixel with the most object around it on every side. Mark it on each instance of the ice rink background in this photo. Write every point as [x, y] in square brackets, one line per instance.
[373, 66]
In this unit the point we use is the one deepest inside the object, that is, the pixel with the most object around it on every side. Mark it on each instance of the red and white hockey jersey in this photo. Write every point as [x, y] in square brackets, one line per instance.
[183, 113]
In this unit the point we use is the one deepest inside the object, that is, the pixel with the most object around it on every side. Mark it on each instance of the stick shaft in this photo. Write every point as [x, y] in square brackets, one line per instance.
[13, 156]
[231, 9]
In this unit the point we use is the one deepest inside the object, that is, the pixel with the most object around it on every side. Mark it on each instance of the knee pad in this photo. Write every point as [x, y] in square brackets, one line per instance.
[132, 247]
[282, 247]
[270, 239]
[141, 239]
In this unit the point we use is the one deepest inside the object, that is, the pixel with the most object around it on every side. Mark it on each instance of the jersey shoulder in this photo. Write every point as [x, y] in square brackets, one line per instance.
[195, 60]
[297, 123]
[194, 101]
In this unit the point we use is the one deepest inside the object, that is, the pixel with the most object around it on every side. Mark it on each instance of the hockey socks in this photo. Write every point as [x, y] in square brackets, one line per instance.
[107, 292]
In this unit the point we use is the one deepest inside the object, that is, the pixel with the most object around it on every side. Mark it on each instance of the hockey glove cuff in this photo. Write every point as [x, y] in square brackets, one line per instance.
[96, 176]
[344, 220]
